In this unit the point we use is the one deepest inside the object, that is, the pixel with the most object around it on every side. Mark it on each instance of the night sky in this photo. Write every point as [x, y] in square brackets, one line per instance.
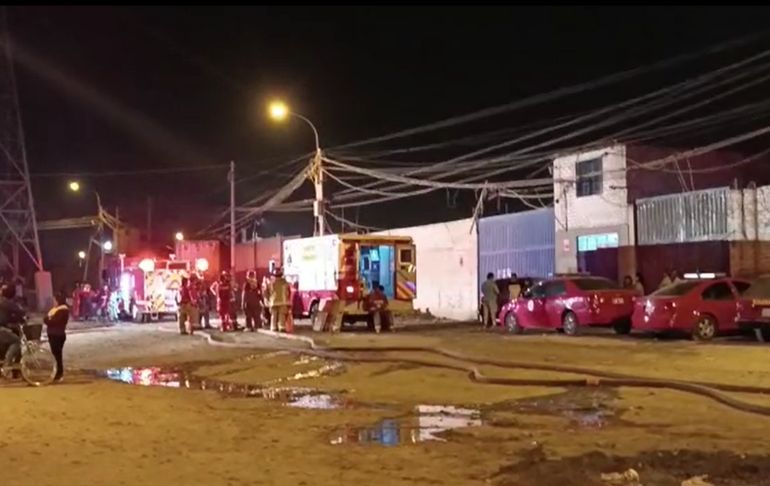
[135, 88]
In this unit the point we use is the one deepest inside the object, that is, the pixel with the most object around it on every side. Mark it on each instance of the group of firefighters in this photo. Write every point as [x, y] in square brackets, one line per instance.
[265, 303]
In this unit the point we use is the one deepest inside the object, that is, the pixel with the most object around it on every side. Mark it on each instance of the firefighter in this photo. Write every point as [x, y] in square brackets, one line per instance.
[205, 304]
[266, 283]
[376, 304]
[251, 299]
[223, 290]
[188, 307]
[279, 301]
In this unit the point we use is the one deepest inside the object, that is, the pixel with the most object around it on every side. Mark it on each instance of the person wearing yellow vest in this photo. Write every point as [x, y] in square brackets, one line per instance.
[279, 301]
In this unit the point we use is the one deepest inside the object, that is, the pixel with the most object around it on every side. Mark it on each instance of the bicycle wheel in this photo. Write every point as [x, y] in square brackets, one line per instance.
[38, 365]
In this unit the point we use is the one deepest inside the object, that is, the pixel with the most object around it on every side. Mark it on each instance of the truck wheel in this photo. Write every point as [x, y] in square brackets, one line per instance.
[569, 324]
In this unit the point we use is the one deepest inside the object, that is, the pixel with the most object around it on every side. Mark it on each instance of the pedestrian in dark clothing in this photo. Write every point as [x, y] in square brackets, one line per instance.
[252, 302]
[56, 321]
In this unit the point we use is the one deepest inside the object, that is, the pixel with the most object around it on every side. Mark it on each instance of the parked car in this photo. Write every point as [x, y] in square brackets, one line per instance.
[754, 309]
[506, 286]
[569, 303]
[703, 308]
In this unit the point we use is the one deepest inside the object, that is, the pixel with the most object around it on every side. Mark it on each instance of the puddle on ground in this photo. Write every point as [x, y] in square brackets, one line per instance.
[428, 423]
[589, 408]
[297, 397]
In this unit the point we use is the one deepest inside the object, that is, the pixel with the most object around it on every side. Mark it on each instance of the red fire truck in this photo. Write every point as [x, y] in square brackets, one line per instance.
[345, 267]
[148, 287]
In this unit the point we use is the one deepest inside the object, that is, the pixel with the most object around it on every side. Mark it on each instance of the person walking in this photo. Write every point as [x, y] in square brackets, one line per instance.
[11, 315]
[56, 323]
[279, 301]
[188, 307]
[489, 294]
[252, 301]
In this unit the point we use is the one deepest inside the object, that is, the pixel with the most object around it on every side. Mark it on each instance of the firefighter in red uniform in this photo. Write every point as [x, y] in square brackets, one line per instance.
[376, 303]
[223, 289]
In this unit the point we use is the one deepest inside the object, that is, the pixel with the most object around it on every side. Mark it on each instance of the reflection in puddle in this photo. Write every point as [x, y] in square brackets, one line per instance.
[428, 424]
[586, 408]
[296, 397]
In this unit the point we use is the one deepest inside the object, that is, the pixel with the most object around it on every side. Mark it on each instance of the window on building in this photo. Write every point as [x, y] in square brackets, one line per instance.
[718, 291]
[594, 242]
[588, 174]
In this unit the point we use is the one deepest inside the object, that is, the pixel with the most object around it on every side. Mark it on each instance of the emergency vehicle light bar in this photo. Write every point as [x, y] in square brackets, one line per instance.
[703, 276]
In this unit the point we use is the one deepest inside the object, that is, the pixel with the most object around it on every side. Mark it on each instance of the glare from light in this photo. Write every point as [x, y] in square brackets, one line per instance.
[201, 264]
[179, 236]
[82, 255]
[107, 245]
[147, 265]
[278, 110]
[74, 186]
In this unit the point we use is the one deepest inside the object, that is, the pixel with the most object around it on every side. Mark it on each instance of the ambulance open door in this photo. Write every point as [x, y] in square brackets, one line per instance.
[406, 271]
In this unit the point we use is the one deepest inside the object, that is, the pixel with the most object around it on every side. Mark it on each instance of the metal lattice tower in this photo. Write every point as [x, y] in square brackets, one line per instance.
[19, 243]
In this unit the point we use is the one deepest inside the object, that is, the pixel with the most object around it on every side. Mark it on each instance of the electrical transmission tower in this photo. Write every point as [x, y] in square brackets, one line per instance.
[19, 243]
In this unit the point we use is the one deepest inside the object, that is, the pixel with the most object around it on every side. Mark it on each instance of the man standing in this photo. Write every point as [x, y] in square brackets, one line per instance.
[489, 294]
[279, 301]
[188, 307]
[223, 289]
[205, 304]
[252, 301]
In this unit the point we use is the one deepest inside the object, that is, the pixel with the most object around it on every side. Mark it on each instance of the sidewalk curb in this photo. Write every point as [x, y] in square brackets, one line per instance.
[290, 337]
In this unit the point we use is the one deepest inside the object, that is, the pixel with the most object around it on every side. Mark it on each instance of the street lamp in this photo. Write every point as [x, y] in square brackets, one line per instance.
[279, 111]
[74, 186]
[107, 246]
[179, 236]
[82, 255]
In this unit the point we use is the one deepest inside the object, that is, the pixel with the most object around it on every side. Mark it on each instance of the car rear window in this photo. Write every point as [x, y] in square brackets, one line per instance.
[677, 289]
[595, 284]
[760, 289]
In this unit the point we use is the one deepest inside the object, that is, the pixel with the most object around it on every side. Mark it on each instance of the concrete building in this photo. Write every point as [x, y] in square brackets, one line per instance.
[623, 208]
[447, 268]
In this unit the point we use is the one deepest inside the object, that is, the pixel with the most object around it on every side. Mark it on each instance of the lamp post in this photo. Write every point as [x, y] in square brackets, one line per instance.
[279, 111]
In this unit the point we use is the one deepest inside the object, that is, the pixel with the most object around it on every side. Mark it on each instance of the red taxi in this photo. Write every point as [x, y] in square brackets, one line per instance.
[702, 305]
[569, 303]
[754, 311]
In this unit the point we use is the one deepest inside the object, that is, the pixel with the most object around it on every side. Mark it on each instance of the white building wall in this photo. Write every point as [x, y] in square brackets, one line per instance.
[607, 212]
[447, 268]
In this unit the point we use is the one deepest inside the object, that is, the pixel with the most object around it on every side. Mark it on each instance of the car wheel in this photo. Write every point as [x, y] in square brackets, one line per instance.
[569, 324]
[762, 334]
[622, 326]
[512, 324]
[705, 329]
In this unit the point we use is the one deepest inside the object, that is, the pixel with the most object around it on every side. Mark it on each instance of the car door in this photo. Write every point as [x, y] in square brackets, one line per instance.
[719, 300]
[739, 287]
[530, 309]
[554, 302]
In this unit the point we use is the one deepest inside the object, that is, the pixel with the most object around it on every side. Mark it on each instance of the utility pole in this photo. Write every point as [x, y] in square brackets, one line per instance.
[319, 204]
[231, 178]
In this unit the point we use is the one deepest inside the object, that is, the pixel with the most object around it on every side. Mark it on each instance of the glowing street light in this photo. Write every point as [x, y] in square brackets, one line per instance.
[82, 255]
[107, 246]
[179, 236]
[74, 186]
[278, 110]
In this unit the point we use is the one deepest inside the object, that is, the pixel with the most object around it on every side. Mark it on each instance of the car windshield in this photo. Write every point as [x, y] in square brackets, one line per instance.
[595, 284]
[760, 289]
[677, 289]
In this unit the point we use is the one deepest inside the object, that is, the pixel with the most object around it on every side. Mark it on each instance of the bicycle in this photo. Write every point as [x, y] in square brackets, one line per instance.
[37, 364]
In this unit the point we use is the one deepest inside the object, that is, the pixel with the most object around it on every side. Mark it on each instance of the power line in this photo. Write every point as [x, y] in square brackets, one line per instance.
[132, 172]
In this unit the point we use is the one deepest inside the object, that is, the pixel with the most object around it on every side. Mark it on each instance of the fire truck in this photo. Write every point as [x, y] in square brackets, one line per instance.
[148, 287]
[345, 267]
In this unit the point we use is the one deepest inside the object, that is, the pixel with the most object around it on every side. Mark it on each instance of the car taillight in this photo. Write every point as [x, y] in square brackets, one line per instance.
[669, 306]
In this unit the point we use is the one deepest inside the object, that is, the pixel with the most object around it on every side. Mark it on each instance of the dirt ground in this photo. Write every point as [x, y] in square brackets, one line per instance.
[377, 423]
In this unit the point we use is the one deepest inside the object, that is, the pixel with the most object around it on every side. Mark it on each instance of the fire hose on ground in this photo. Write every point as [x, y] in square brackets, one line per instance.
[595, 378]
